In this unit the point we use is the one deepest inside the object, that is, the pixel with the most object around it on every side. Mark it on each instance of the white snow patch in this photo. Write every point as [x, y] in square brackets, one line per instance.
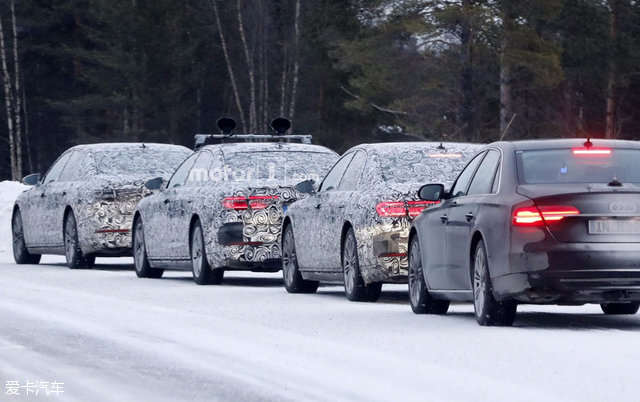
[9, 191]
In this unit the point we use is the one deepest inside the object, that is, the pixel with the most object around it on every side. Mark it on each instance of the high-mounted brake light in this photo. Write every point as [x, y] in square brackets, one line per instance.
[548, 214]
[592, 151]
[453, 156]
[253, 202]
[401, 209]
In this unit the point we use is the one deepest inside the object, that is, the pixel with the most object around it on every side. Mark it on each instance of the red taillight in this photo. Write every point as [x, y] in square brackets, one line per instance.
[401, 209]
[253, 202]
[391, 209]
[592, 151]
[532, 216]
[416, 207]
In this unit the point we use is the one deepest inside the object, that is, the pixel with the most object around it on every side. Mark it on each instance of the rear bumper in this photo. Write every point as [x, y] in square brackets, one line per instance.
[246, 249]
[573, 273]
[386, 258]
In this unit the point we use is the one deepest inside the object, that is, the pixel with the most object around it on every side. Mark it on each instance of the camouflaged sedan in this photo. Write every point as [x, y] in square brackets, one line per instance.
[83, 207]
[353, 229]
[222, 209]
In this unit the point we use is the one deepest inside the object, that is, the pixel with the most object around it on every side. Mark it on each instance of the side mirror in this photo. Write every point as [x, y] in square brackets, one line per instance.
[306, 187]
[31, 180]
[431, 192]
[154, 184]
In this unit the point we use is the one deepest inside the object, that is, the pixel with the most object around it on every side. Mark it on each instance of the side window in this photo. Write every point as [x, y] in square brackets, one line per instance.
[199, 173]
[332, 179]
[483, 179]
[56, 169]
[73, 169]
[496, 180]
[180, 175]
[354, 171]
[372, 173]
[461, 184]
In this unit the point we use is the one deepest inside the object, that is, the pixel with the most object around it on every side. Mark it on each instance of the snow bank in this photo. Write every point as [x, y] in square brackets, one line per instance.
[9, 190]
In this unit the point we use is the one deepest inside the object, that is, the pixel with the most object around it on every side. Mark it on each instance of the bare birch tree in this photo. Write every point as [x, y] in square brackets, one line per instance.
[296, 61]
[250, 71]
[232, 76]
[8, 100]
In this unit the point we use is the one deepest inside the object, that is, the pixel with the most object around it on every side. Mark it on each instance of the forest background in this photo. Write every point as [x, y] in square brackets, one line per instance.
[346, 71]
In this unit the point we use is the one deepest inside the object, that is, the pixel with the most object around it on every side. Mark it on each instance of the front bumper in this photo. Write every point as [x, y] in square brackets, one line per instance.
[573, 273]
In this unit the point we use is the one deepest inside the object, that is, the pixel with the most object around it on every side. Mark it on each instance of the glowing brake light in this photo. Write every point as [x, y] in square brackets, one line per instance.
[253, 202]
[548, 214]
[401, 209]
[592, 151]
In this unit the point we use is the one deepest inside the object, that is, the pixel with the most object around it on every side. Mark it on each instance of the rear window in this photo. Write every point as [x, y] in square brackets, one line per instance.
[404, 165]
[551, 166]
[278, 166]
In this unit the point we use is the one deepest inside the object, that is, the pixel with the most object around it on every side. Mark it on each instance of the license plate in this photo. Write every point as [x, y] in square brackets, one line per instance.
[614, 226]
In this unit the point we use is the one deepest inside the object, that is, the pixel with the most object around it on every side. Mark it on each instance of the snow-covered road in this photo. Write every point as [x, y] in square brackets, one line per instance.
[108, 335]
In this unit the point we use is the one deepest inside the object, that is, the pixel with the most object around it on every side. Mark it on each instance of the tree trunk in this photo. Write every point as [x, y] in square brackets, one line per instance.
[610, 129]
[467, 107]
[232, 76]
[8, 100]
[17, 102]
[296, 62]
[251, 71]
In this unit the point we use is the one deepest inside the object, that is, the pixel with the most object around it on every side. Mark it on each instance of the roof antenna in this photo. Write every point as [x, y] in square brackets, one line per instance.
[441, 147]
[226, 125]
[143, 146]
[588, 143]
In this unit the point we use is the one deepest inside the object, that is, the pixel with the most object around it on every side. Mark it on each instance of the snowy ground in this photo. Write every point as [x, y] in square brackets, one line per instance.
[108, 335]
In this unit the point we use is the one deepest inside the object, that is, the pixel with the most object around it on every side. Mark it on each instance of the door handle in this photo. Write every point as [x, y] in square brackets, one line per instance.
[469, 216]
[166, 201]
[341, 206]
[318, 206]
[64, 193]
[444, 218]
[41, 195]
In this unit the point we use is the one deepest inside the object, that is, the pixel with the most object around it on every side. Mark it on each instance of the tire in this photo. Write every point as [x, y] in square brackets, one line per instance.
[293, 280]
[354, 287]
[72, 251]
[421, 300]
[202, 272]
[20, 253]
[488, 311]
[620, 308]
[140, 259]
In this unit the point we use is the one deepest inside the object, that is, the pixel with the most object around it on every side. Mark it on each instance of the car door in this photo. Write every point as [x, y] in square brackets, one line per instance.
[336, 210]
[161, 225]
[314, 222]
[462, 218]
[68, 192]
[44, 220]
[435, 240]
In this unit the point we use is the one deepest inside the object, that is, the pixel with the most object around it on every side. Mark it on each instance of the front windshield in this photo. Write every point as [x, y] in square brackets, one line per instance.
[138, 161]
[279, 166]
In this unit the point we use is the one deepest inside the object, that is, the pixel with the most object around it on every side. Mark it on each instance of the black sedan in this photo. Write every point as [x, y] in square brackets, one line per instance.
[544, 222]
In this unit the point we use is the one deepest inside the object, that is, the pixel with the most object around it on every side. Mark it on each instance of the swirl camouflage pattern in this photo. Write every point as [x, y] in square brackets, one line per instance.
[235, 193]
[97, 188]
[372, 192]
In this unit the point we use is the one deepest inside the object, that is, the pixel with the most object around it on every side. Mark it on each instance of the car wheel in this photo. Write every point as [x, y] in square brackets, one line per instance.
[620, 308]
[20, 253]
[488, 311]
[202, 272]
[72, 252]
[140, 260]
[293, 280]
[354, 287]
[421, 300]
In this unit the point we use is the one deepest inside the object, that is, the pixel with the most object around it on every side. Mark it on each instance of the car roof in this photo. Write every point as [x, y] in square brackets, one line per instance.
[393, 147]
[525, 145]
[267, 146]
[119, 146]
